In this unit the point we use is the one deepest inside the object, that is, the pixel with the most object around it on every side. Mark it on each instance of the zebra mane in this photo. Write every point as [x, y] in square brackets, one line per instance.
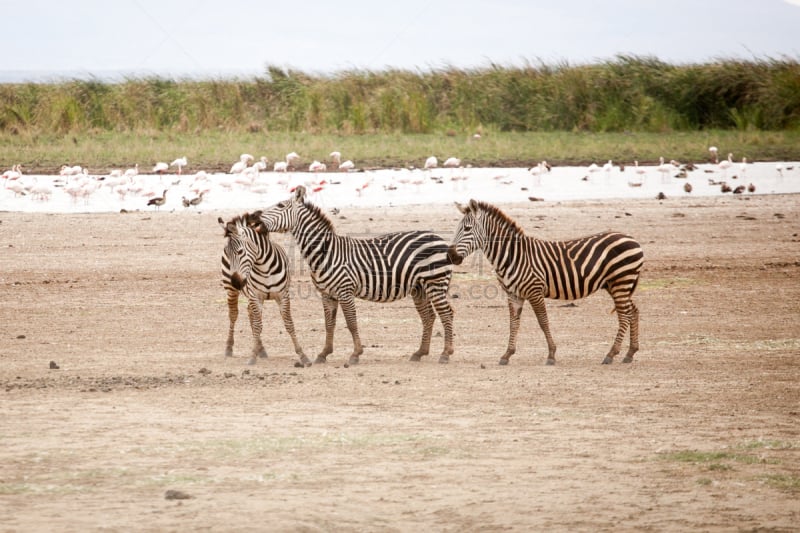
[320, 215]
[498, 216]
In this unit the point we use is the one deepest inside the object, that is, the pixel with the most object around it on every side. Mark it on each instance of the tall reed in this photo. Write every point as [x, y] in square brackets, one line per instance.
[626, 93]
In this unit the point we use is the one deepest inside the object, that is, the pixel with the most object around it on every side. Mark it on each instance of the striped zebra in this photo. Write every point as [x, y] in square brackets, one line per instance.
[379, 269]
[258, 268]
[532, 269]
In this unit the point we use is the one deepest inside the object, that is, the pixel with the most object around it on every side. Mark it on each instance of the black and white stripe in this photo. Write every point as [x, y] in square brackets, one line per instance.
[259, 269]
[380, 269]
[530, 269]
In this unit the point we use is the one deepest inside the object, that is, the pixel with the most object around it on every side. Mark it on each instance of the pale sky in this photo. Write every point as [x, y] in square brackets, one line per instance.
[179, 37]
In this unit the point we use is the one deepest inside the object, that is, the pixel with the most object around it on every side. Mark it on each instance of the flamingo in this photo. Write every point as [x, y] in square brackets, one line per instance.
[261, 164]
[743, 166]
[180, 163]
[160, 168]
[537, 171]
[131, 172]
[664, 168]
[280, 166]
[641, 173]
[13, 174]
[452, 162]
[431, 162]
[779, 168]
[712, 150]
[593, 168]
[336, 157]
[725, 164]
[316, 166]
[608, 167]
[291, 158]
[347, 165]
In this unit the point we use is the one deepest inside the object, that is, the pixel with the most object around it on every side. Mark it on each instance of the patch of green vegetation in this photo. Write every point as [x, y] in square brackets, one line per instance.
[714, 461]
[767, 444]
[784, 482]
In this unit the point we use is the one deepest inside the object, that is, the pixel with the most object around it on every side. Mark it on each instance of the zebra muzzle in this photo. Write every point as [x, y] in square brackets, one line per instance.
[453, 256]
[237, 281]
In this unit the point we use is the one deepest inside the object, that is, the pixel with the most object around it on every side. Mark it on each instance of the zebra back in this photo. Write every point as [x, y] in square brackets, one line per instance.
[382, 268]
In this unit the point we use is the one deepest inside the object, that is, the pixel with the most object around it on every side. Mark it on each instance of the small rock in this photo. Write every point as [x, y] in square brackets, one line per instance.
[54, 365]
[176, 495]
[21, 337]
[204, 371]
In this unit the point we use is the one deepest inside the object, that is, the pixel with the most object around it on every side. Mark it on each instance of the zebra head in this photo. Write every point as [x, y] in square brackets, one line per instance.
[470, 234]
[239, 252]
[283, 215]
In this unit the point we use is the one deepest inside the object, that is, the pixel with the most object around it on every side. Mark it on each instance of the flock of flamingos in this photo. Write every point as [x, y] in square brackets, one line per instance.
[253, 175]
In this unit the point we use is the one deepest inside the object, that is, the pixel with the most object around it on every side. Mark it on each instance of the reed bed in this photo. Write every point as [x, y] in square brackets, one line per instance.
[396, 117]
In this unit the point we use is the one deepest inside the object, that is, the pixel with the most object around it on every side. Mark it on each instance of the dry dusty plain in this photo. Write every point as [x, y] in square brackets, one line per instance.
[701, 432]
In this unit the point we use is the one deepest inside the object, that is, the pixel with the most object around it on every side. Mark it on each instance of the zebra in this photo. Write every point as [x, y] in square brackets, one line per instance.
[532, 269]
[379, 269]
[258, 268]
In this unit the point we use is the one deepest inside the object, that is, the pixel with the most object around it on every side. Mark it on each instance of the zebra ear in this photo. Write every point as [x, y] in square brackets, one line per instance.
[461, 208]
[254, 219]
[473, 204]
[300, 193]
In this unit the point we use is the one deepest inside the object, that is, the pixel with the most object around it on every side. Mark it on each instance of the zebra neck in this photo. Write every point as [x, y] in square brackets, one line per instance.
[501, 248]
[315, 235]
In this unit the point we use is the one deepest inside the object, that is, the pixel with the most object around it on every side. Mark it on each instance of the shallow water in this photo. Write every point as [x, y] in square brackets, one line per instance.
[393, 187]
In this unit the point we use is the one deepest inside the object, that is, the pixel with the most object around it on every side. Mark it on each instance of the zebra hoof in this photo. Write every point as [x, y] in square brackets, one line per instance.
[417, 357]
[229, 352]
[353, 360]
[262, 353]
[503, 362]
[608, 360]
[251, 361]
[320, 360]
[628, 359]
[550, 362]
[444, 359]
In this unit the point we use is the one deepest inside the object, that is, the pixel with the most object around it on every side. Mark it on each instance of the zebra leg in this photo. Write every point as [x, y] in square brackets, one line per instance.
[427, 315]
[254, 312]
[233, 314]
[624, 315]
[514, 312]
[634, 346]
[284, 303]
[445, 312]
[329, 306]
[349, 309]
[539, 307]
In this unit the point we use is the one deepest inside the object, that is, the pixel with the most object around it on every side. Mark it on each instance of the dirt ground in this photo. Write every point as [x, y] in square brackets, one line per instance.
[701, 432]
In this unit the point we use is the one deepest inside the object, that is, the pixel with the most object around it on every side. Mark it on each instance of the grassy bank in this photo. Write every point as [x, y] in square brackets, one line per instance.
[40, 153]
[623, 109]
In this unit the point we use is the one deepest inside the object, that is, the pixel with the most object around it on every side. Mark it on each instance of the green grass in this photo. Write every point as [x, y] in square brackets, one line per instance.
[783, 482]
[217, 150]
